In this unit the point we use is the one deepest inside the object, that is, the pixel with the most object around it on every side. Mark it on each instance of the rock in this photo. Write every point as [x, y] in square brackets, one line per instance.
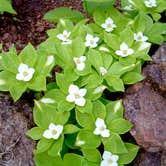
[160, 55]
[15, 119]
[145, 105]
[150, 159]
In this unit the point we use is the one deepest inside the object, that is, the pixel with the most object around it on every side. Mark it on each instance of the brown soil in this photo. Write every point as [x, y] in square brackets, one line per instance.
[28, 25]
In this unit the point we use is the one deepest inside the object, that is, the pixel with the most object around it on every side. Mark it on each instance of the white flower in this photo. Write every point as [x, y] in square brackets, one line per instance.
[80, 62]
[124, 50]
[99, 89]
[54, 131]
[140, 37]
[91, 41]
[25, 73]
[109, 159]
[128, 7]
[101, 128]
[47, 100]
[50, 60]
[150, 3]
[64, 37]
[108, 25]
[76, 95]
[103, 71]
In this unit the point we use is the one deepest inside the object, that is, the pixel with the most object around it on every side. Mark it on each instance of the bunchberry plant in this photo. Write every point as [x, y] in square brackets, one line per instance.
[75, 123]
[152, 7]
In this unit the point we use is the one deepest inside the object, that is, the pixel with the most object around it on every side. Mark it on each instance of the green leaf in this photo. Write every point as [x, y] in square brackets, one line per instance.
[38, 83]
[62, 83]
[99, 110]
[127, 36]
[91, 140]
[65, 106]
[115, 82]
[56, 147]
[29, 55]
[132, 77]
[83, 118]
[87, 108]
[43, 145]
[114, 111]
[92, 155]
[78, 47]
[126, 158]
[70, 128]
[120, 126]
[6, 6]
[72, 159]
[95, 59]
[91, 5]
[63, 13]
[35, 133]
[43, 158]
[119, 69]
[114, 144]
[7, 58]
[17, 89]
[6, 78]
[110, 39]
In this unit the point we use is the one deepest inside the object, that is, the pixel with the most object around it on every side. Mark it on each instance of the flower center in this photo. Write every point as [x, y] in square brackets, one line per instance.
[25, 73]
[77, 96]
[91, 41]
[139, 37]
[53, 132]
[78, 61]
[102, 128]
[110, 161]
[124, 52]
[109, 25]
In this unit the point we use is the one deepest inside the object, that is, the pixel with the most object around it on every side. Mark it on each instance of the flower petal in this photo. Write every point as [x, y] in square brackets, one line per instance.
[82, 92]
[70, 98]
[80, 101]
[123, 46]
[52, 126]
[105, 133]
[60, 37]
[106, 155]
[22, 67]
[47, 134]
[81, 66]
[130, 51]
[100, 122]
[119, 52]
[97, 131]
[104, 163]
[59, 129]
[19, 76]
[89, 37]
[115, 158]
[73, 89]
[83, 58]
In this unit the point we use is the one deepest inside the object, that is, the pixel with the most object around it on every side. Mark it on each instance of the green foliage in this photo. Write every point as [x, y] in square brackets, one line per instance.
[72, 114]
[63, 13]
[6, 6]
[140, 5]
[91, 5]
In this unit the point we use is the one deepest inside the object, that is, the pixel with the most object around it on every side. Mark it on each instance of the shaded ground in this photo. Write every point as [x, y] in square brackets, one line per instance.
[28, 25]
